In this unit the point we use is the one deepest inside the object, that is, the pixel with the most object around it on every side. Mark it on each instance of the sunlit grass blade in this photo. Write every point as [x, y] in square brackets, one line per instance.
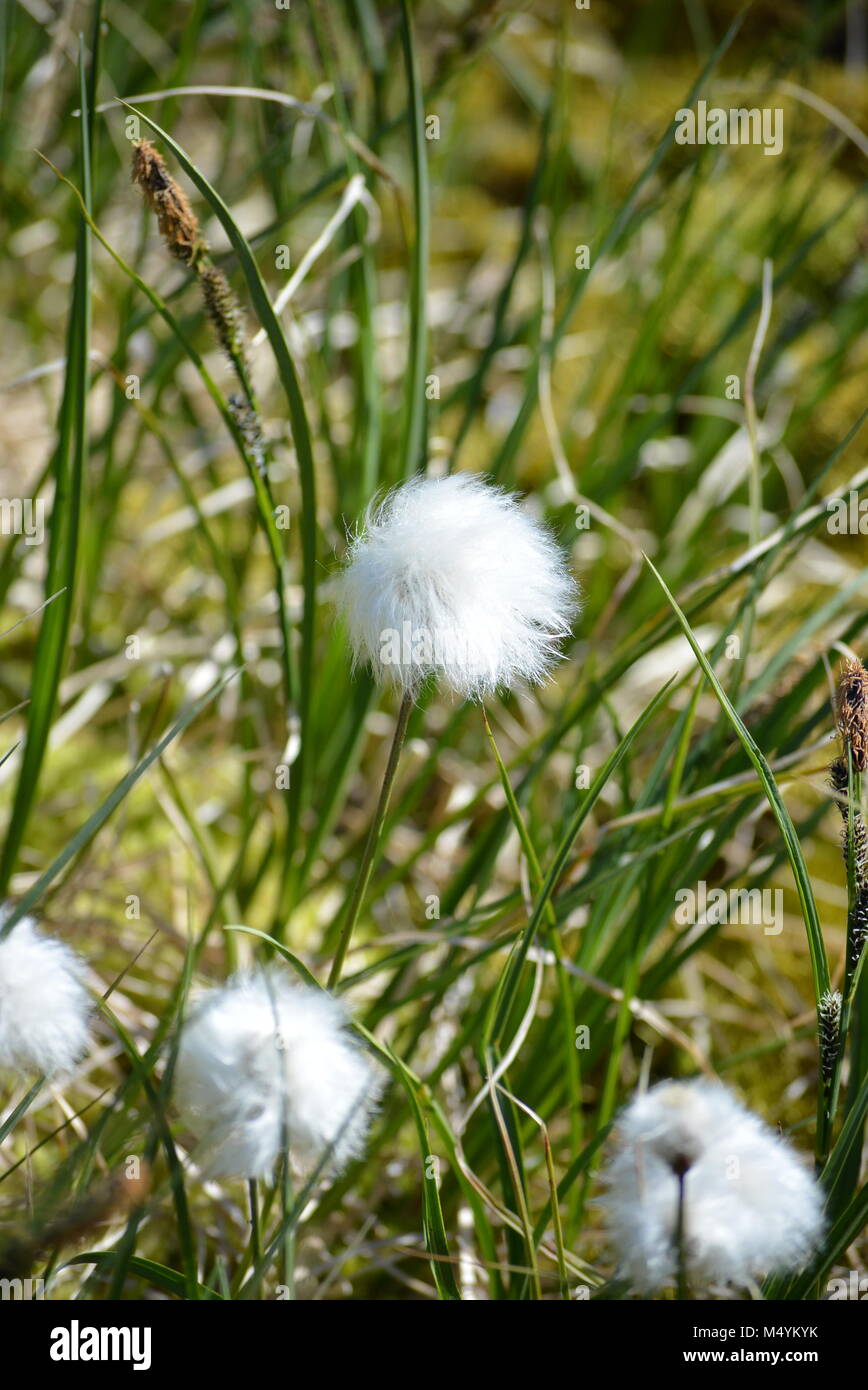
[413, 446]
[68, 471]
[158, 1276]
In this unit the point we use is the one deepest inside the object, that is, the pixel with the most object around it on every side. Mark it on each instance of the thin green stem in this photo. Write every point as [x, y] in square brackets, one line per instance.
[255, 1244]
[366, 867]
[681, 1240]
[287, 1254]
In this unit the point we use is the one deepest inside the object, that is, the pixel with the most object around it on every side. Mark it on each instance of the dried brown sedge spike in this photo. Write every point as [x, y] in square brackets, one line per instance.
[176, 220]
[853, 711]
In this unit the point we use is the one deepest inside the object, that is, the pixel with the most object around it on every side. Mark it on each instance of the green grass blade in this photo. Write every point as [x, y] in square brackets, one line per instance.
[68, 472]
[413, 446]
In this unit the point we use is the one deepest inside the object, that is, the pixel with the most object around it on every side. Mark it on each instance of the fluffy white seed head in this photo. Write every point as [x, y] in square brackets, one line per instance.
[44, 1005]
[751, 1207]
[451, 576]
[262, 1057]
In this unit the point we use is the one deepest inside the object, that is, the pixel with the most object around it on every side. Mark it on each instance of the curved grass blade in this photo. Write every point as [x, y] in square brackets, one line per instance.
[21, 1108]
[300, 969]
[169, 1281]
[413, 447]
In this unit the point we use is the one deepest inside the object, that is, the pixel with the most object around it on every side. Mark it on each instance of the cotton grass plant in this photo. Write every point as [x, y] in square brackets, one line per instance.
[331, 421]
[265, 1066]
[449, 579]
[699, 1192]
[44, 1005]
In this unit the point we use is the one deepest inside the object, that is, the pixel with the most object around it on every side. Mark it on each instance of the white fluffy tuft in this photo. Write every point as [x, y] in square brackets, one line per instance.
[451, 576]
[44, 1005]
[751, 1207]
[262, 1051]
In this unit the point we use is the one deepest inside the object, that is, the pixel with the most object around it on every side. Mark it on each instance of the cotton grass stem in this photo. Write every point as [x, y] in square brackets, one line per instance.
[255, 1244]
[287, 1245]
[366, 867]
[681, 1239]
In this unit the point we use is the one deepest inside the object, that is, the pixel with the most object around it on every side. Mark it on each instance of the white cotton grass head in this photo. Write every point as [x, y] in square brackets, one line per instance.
[750, 1206]
[44, 1004]
[452, 576]
[263, 1057]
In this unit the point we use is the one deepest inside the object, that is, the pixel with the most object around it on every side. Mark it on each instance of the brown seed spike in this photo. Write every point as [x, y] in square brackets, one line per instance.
[176, 220]
[853, 711]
